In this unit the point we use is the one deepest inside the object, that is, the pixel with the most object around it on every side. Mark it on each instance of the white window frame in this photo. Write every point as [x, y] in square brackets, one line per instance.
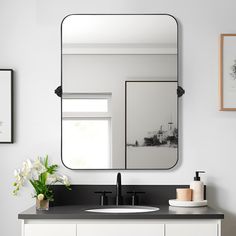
[107, 114]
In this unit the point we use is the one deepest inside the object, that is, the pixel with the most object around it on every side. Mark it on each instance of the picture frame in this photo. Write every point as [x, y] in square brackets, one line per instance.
[227, 72]
[151, 124]
[6, 106]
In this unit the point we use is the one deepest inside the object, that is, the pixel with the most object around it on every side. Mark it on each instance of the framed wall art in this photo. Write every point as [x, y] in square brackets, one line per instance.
[6, 106]
[227, 78]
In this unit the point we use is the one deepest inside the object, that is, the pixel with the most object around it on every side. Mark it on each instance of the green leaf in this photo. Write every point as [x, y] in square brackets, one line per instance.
[52, 169]
[43, 178]
[46, 161]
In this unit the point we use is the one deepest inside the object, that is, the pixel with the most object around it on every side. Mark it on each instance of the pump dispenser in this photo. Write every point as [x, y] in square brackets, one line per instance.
[198, 187]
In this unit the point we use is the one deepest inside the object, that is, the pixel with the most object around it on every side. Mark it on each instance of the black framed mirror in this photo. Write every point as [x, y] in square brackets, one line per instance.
[119, 91]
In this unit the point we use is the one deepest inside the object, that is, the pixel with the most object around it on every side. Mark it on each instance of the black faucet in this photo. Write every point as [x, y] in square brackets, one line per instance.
[118, 190]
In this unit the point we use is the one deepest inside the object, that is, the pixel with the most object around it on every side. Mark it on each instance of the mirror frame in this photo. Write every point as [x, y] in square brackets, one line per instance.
[59, 93]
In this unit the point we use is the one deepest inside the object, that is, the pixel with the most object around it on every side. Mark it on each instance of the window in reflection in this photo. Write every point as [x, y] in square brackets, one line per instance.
[85, 105]
[87, 131]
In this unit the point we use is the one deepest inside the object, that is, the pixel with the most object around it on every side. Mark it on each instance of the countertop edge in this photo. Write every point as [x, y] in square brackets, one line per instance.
[69, 217]
[164, 213]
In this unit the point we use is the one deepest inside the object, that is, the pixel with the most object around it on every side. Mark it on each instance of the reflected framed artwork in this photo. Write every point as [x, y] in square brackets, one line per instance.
[227, 73]
[151, 124]
[6, 106]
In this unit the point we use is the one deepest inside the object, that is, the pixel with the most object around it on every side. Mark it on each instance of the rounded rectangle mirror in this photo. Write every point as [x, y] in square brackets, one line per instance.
[119, 91]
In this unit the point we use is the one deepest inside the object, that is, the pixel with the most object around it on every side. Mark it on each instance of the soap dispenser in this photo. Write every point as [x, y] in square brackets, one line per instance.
[198, 188]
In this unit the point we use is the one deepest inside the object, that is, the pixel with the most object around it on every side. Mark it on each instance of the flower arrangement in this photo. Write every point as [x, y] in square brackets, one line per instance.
[41, 176]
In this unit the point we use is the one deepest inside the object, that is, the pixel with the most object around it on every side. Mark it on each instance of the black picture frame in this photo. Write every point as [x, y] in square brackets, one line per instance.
[7, 132]
[126, 118]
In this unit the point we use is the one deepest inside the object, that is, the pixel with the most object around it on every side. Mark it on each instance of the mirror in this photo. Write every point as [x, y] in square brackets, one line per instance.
[119, 91]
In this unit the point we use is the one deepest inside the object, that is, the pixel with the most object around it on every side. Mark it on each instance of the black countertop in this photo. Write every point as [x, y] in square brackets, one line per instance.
[78, 212]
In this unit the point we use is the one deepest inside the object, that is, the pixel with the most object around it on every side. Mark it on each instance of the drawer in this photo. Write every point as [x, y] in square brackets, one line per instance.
[120, 229]
[190, 229]
[50, 230]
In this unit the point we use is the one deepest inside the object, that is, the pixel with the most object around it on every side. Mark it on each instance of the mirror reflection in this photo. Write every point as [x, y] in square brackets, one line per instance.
[119, 100]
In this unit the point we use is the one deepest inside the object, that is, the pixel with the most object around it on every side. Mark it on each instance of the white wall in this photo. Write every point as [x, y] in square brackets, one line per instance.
[30, 44]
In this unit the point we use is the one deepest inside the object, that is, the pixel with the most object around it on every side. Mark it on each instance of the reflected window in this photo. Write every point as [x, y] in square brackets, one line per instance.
[85, 105]
[87, 130]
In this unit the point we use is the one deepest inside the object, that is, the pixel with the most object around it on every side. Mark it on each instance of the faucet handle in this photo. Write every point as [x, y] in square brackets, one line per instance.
[103, 192]
[134, 197]
[136, 192]
[103, 197]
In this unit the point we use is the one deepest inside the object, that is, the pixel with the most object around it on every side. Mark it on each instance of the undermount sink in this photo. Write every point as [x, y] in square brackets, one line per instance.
[124, 209]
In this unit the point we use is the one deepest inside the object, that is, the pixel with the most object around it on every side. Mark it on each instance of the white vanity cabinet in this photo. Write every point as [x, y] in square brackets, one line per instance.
[124, 227]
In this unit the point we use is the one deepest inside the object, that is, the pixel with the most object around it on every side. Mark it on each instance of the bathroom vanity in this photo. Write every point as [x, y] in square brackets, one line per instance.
[70, 217]
[76, 221]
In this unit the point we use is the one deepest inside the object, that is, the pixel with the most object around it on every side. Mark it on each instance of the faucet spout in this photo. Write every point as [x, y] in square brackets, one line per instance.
[118, 190]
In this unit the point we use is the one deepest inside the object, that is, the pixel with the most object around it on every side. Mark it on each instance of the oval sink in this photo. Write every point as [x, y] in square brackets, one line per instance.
[124, 209]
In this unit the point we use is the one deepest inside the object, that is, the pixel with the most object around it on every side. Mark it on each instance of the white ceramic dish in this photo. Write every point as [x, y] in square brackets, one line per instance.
[177, 203]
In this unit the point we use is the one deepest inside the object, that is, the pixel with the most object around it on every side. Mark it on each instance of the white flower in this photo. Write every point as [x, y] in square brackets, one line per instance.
[19, 181]
[40, 197]
[19, 177]
[17, 174]
[29, 163]
[64, 180]
[26, 170]
[52, 179]
[38, 166]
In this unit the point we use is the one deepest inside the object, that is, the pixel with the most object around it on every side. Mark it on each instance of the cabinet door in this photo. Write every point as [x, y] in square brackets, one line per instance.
[120, 229]
[50, 230]
[191, 230]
